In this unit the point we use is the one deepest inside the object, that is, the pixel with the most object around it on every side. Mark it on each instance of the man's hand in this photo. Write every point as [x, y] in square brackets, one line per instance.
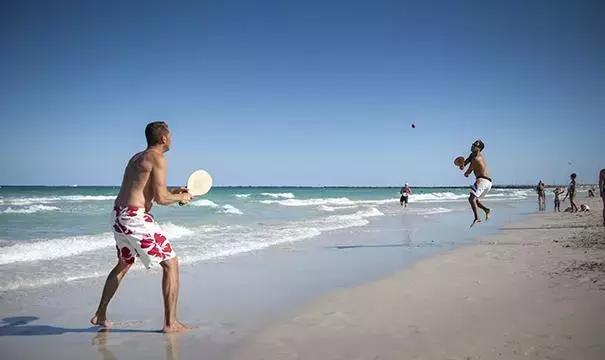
[185, 198]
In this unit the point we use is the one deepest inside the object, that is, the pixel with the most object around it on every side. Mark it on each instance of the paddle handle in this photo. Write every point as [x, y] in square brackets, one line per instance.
[180, 202]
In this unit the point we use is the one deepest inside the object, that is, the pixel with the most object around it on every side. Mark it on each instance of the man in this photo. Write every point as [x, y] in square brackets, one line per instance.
[405, 192]
[135, 230]
[483, 183]
[540, 189]
[602, 190]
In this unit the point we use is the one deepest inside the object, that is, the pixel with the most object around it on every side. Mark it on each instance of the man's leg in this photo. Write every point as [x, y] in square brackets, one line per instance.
[539, 203]
[484, 208]
[111, 285]
[603, 197]
[170, 290]
[472, 199]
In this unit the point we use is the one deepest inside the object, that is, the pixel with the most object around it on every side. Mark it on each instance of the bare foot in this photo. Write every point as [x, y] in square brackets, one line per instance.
[176, 327]
[487, 214]
[101, 321]
[477, 221]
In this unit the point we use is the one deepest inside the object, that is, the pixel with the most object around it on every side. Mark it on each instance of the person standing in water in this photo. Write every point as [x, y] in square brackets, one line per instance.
[136, 232]
[558, 191]
[405, 192]
[602, 190]
[540, 189]
[483, 182]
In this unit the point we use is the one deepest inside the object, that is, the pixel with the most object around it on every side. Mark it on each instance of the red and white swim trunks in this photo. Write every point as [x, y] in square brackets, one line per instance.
[137, 234]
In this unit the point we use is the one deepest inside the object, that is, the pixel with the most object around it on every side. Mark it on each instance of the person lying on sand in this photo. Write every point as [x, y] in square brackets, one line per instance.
[483, 183]
[584, 207]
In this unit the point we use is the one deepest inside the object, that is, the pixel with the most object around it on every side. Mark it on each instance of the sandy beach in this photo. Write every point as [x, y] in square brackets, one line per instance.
[535, 290]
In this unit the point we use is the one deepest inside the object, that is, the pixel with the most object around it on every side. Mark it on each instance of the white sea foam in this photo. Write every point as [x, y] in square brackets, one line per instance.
[225, 209]
[29, 209]
[75, 258]
[49, 249]
[242, 196]
[279, 195]
[432, 211]
[54, 248]
[176, 231]
[230, 209]
[204, 203]
[336, 208]
[53, 199]
[311, 202]
[331, 204]
[437, 197]
[240, 239]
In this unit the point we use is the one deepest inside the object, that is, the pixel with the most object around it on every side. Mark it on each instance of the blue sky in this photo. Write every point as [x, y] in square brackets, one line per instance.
[303, 92]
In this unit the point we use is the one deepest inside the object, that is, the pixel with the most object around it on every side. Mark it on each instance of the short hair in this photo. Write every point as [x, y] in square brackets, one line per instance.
[154, 132]
[573, 175]
[478, 143]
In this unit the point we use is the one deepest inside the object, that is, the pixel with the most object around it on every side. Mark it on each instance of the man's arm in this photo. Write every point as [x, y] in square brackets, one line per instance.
[602, 181]
[469, 170]
[158, 181]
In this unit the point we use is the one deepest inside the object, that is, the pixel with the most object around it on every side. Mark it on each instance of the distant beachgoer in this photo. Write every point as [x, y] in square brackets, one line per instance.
[584, 207]
[136, 231]
[558, 191]
[405, 192]
[540, 189]
[571, 192]
[602, 190]
[483, 183]
[591, 192]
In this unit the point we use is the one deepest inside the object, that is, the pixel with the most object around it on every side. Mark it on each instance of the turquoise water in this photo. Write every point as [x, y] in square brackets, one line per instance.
[50, 235]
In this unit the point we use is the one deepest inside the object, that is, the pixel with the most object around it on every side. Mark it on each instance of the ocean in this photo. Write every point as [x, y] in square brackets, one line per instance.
[54, 235]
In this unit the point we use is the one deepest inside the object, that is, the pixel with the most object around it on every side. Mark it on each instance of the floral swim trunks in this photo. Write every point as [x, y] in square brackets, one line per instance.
[137, 234]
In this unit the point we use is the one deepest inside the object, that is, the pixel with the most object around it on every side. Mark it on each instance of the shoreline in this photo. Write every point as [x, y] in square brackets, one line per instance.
[535, 289]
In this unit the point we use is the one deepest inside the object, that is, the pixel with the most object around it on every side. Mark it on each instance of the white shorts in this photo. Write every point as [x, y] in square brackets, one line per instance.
[137, 234]
[481, 187]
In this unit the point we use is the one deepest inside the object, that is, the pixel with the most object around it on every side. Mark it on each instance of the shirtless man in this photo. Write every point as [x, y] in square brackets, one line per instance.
[405, 192]
[482, 184]
[135, 230]
[602, 190]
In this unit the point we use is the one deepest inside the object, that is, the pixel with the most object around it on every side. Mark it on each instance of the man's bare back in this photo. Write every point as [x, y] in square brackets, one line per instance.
[136, 189]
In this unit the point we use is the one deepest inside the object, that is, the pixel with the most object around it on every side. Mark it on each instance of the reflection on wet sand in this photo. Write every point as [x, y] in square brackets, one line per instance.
[171, 343]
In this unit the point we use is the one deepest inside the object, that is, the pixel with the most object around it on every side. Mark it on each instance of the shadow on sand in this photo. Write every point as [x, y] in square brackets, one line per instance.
[18, 326]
